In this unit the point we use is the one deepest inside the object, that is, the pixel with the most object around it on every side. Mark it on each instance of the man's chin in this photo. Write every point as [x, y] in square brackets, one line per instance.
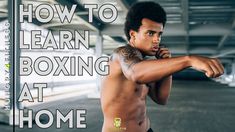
[151, 54]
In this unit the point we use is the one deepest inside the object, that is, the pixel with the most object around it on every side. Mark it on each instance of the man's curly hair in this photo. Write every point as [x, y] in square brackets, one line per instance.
[140, 10]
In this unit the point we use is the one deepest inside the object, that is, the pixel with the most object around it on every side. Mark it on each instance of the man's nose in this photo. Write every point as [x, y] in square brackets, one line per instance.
[156, 39]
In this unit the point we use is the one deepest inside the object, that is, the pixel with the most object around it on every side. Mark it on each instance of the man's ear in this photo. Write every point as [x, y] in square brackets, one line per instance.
[132, 34]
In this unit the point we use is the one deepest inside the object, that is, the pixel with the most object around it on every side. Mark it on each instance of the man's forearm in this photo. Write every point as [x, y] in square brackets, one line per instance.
[163, 90]
[155, 70]
[159, 91]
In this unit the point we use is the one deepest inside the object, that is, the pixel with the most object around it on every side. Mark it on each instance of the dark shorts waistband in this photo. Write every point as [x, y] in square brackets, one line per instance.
[150, 130]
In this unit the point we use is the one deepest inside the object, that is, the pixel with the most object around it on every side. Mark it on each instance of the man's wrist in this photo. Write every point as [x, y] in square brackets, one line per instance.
[188, 60]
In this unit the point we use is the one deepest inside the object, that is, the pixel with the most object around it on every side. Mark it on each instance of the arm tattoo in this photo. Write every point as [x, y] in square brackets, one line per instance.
[128, 56]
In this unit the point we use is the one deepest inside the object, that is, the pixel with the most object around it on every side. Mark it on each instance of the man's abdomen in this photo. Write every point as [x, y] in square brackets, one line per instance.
[126, 116]
[120, 125]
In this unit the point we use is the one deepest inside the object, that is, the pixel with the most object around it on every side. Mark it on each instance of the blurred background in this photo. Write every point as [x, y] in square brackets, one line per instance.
[194, 27]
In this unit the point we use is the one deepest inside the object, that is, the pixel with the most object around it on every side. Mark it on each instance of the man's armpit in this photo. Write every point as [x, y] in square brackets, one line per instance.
[128, 56]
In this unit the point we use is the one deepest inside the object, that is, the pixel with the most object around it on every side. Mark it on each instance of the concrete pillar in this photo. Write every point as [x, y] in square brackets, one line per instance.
[232, 84]
[223, 77]
[13, 17]
[98, 53]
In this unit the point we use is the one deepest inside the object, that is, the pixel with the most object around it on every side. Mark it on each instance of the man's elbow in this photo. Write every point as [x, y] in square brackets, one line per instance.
[137, 78]
[140, 78]
[162, 100]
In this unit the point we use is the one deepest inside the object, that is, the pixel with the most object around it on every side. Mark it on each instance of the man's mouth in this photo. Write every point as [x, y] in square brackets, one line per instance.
[155, 47]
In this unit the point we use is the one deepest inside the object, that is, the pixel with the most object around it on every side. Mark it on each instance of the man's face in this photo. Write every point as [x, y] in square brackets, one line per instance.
[148, 38]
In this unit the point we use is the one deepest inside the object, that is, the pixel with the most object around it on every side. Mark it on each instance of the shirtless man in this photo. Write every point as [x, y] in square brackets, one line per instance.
[133, 77]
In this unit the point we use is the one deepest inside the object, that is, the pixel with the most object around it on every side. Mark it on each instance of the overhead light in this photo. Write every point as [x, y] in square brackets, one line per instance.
[192, 23]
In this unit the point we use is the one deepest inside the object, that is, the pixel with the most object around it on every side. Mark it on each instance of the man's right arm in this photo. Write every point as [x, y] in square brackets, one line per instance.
[146, 71]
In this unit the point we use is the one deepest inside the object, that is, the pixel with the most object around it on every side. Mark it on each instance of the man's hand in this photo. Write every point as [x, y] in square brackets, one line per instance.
[163, 53]
[210, 66]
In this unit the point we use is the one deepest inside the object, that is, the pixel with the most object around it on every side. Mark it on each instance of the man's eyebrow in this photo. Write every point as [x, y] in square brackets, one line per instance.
[153, 31]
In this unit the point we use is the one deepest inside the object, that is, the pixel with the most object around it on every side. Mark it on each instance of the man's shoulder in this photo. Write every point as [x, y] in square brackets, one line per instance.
[122, 48]
[126, 51]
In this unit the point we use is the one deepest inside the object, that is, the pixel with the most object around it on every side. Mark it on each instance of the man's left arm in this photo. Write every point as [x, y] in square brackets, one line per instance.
[160, 91]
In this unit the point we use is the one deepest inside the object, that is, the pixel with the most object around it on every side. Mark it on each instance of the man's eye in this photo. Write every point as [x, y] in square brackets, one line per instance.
[150, 33]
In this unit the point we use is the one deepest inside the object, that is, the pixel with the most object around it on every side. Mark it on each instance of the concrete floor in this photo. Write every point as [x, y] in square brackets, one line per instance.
[194, 106]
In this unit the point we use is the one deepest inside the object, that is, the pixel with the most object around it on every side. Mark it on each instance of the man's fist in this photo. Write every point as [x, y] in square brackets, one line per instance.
[163, 53]
[210, 66]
